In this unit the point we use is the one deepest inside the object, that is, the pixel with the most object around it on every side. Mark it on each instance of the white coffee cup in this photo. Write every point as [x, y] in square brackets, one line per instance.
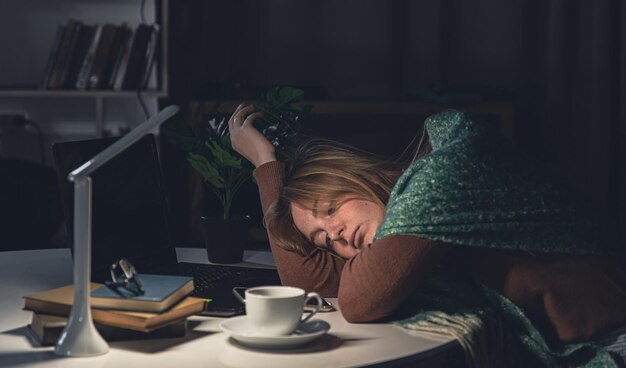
[277, 310]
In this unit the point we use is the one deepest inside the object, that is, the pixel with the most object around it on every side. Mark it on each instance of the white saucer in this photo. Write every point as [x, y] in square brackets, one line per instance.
[239, 329]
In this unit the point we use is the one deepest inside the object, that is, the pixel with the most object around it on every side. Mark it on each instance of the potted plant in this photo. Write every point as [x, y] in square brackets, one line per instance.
[224, 171]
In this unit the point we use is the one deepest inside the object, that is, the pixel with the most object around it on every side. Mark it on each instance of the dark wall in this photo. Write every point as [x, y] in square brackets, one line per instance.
[560, 63]
[345, 49]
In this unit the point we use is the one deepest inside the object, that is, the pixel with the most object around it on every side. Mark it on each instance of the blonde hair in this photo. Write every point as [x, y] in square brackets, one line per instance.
[321, 169]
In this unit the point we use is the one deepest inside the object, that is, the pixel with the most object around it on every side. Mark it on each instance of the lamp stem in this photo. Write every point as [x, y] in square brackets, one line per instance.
[80, 337]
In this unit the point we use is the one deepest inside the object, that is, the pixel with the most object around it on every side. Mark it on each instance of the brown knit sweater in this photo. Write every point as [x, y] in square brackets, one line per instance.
[568, 298]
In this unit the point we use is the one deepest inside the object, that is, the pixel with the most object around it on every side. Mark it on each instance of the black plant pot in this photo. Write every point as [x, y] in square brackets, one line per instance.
[225, 239]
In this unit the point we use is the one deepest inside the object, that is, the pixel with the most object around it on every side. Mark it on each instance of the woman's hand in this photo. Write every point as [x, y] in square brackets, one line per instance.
[246, 139]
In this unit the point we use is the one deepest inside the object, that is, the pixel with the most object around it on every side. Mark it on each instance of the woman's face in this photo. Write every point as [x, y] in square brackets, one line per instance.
[344, 228]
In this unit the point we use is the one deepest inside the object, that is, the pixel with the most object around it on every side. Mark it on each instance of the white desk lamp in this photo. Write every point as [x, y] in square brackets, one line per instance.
[80, 337]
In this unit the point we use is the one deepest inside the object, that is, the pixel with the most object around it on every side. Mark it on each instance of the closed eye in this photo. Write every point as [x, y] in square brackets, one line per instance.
[332, 207]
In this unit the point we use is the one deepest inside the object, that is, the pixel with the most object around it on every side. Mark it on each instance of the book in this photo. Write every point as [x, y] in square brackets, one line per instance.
[85, 69]
[47, 328]
[52, 56]
[149, 58]
[59, 302]
[102, 58]
[54, 80]
[134, 68]
[120, 72]
[161, 292]
[77, 57]
[122, 44]
[71, 54]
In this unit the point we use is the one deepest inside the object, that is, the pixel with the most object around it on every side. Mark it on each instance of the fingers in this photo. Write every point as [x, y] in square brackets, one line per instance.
[243, 113]
[232, 117]
[235, 116]
[251, 118]
[240, 116]
[239, 107]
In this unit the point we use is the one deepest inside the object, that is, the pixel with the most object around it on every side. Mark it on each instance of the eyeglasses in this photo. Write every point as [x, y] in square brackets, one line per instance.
[124, 274]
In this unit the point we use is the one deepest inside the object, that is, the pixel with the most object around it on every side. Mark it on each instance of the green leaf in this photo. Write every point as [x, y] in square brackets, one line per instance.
[271, 95]
[288, 95]
[223, 156]
[207, 170]
[215, 150]
[225, 142]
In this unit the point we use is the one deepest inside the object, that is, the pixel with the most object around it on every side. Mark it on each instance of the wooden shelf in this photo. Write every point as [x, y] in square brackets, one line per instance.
[97, 95]
[503, 110]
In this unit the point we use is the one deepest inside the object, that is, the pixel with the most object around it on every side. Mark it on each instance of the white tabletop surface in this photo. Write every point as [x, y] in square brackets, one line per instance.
[345, 344]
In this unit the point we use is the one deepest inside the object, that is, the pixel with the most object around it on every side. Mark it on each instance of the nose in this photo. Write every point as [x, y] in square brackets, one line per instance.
[335, 231]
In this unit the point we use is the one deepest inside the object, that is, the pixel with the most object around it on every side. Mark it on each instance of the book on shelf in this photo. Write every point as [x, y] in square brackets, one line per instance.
[46, 329]
[122, 44]
[120, 70]
[77, 56]
[71, 52]
[52, 56]
[102, 59]
[149, 58]
[85, 69]
[160, 293]
[59, 302]
[108, 56]
[137, 57]
[62, 53]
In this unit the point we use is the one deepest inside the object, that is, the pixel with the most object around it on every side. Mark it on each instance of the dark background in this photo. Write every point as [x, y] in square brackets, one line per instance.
[560, 64]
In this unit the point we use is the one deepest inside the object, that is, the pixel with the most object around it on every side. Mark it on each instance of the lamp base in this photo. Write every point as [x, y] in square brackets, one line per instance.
[80, 339]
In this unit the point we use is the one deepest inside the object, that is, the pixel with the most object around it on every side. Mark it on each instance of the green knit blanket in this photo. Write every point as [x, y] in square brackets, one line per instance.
[474, 190]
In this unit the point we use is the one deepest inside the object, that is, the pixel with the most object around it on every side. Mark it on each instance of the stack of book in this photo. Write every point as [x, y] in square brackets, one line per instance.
[161, 312]
[101, 57]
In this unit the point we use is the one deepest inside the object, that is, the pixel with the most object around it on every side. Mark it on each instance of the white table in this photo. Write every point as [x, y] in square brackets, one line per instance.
[345, 345]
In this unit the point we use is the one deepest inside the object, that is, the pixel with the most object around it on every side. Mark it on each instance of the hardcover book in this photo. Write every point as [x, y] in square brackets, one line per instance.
[103, 58]
[120, 72]
[59, 302]
[124, 34]
[161, 292]
[85, 69]
[71, 54]
[149, 57]
[54, 81]
[75, 62]
[47, 328]
[52, 57]
[137, 57]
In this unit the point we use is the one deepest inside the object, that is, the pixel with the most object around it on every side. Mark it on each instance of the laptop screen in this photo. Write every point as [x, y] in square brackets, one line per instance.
[129, 208]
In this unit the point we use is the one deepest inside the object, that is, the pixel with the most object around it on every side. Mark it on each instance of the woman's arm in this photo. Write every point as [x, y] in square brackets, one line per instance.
[377, 280]
[246, 139]
[373, 283]
[319, 272]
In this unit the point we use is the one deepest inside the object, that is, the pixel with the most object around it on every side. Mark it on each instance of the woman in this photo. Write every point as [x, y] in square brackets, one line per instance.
[470, 236]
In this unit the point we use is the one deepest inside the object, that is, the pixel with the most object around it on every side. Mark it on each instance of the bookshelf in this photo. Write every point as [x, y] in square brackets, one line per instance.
[90, 12]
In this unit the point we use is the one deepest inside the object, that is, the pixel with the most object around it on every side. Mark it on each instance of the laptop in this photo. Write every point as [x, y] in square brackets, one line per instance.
[130, 219]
